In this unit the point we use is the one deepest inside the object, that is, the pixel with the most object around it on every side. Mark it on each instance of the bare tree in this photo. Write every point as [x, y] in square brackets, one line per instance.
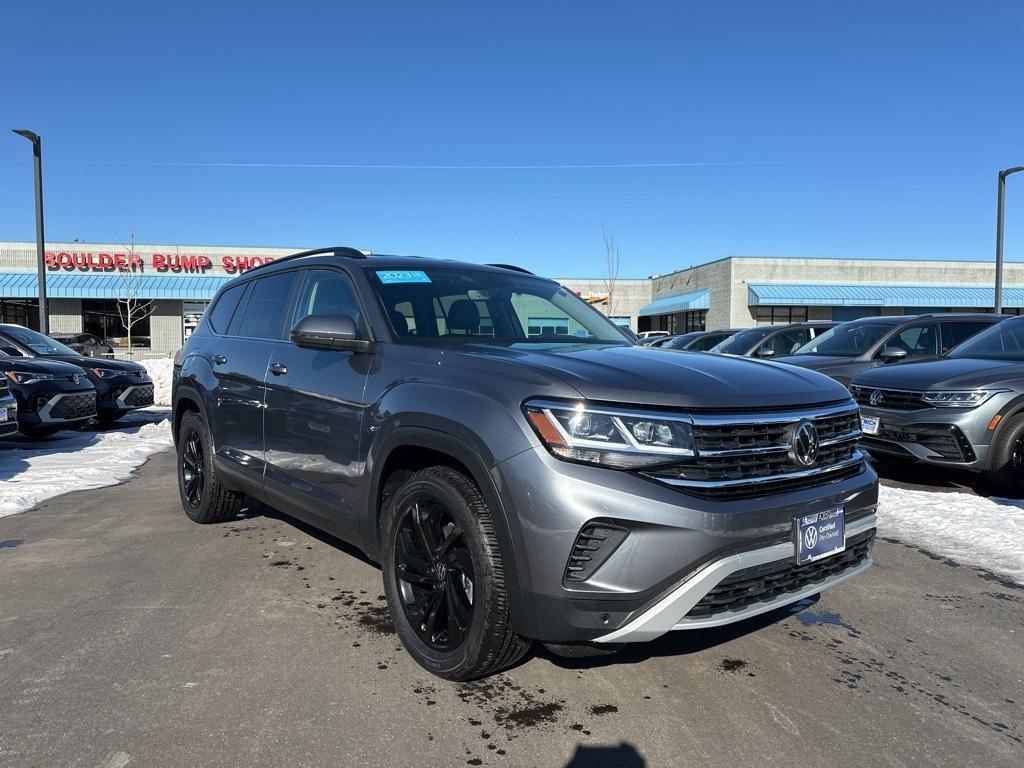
[132, 308]
[611, 254]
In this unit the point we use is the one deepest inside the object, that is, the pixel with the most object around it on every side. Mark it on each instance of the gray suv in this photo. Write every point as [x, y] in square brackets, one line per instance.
[848, 349]
[966, 410]
[520, 469]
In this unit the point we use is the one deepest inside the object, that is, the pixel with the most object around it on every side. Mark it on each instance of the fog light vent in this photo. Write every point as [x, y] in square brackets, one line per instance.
[595, 543]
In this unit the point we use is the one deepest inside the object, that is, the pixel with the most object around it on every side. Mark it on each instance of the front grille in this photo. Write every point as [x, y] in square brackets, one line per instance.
[140, 395]
[751, 456]
[77, 406]
[891, 399]
[8, 428]
[946, 440]
[764, 583]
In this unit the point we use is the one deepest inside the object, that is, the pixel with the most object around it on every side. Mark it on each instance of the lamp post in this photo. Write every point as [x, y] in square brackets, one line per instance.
[37, 154]
[1000, 199]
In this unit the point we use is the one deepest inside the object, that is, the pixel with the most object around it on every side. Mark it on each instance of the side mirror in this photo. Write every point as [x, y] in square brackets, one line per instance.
[893, 355]
[337, 332]
[765, 352]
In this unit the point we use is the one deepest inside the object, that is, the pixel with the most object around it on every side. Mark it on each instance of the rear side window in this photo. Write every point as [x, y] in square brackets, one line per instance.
[264, 313]
[787, 342]
[956, 331]
[220, 316]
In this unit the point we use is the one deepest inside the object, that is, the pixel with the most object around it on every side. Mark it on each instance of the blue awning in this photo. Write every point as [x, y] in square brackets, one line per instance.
[24, 285]
[832, 295]
[681, 302]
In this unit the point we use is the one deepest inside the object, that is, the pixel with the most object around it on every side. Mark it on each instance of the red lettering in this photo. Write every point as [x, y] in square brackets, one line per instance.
[159, 262]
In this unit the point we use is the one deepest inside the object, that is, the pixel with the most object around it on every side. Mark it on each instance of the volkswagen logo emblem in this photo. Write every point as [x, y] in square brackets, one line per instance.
[876, 397]
[804, 450]
[810, 538]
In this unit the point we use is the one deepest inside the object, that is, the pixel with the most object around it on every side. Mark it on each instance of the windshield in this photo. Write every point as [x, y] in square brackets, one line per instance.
[31, 341]
[1004, 341]
[740, 343]
[442, 306]
[846, 340]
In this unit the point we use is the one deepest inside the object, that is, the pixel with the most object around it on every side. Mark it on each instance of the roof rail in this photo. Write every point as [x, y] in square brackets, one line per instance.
[513, 267]
[337, 250]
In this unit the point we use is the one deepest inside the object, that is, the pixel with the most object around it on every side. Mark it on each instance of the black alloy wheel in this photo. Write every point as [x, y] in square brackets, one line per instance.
[192, 468]
[434, 574]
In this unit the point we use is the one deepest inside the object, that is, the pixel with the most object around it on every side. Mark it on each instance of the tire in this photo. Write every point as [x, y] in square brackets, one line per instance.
[203, 495]
[43, 431]
[1007, 472]
[466, 632]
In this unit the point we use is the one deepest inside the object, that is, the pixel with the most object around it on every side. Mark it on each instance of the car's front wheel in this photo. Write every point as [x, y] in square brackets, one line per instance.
[445, 579]
[203, 495]
[1007, 472]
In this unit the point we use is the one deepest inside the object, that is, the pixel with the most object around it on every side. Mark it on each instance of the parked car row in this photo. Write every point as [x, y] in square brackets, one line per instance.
[48, 386]
[941, 388]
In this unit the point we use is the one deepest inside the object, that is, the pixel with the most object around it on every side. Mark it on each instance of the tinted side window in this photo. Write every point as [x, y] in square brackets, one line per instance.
[917, 340]
[264, 313]
[327, 292]
[220, 315]
[704, 343]
[787, 342]
[956, 331]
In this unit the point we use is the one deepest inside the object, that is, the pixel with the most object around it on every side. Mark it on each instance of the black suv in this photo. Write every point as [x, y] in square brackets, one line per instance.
[519, 468]
[50, 396]
[859, 345]
[121, 386]
[8, 409]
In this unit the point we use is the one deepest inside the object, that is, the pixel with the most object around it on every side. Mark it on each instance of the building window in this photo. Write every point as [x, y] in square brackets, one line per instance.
[547, 326]
[20, 312]
[683, 322]
[101, 318]
[780, 315]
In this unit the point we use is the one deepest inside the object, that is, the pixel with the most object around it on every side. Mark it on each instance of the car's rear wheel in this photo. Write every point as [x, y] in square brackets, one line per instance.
[444, 577]
[203, 495]
[1007, 472]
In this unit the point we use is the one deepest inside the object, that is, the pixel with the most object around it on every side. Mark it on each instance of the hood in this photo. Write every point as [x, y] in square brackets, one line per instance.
[671, 378]
[38, 365]
[103, 363]
[948, 373]
[814, 362]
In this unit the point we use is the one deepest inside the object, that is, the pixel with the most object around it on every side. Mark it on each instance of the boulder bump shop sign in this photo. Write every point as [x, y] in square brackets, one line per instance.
[162, 263]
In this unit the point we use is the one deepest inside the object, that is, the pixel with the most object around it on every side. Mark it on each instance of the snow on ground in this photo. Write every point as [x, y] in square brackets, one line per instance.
[32, 471]
[160, 372]
[986, 532]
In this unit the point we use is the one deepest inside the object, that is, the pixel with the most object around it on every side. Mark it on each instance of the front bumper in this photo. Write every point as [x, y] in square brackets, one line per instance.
[672, 538]
[123, 393]
[9, 425]
[676, 610]
[40, 407]
[943, 436]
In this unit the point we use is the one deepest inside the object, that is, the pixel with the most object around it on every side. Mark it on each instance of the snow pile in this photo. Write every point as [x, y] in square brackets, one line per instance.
[988, 533]
[33, 471]
[160, 371]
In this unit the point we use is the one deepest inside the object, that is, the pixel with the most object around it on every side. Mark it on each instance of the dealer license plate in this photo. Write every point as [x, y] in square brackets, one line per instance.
[3, 414]
[820, 535]
[869, 425]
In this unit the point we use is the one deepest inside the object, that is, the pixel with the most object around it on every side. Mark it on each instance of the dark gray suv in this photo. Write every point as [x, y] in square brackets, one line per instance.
[519, 468]
[848, 349]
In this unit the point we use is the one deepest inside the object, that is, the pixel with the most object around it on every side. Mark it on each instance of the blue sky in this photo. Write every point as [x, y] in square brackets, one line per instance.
[856, 129]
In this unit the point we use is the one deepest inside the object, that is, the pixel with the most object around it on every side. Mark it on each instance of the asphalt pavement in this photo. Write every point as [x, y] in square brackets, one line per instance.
[131, 637]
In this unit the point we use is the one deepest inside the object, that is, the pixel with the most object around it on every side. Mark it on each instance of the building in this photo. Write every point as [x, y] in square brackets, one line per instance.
[172, 286]
[741, 291]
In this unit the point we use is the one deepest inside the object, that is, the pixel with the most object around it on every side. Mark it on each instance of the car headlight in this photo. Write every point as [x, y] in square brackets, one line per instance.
[621, 438]
[106, 373]
[28, 377]
[956, 398]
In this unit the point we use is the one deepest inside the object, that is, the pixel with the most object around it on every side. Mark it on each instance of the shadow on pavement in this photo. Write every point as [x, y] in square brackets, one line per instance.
[622, 756]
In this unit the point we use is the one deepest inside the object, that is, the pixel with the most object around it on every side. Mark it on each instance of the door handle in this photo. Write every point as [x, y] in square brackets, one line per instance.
[277, 369]
[219, 359]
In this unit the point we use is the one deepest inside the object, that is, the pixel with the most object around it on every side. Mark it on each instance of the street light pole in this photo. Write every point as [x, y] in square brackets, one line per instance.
[1000, 200]
[37, 154]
